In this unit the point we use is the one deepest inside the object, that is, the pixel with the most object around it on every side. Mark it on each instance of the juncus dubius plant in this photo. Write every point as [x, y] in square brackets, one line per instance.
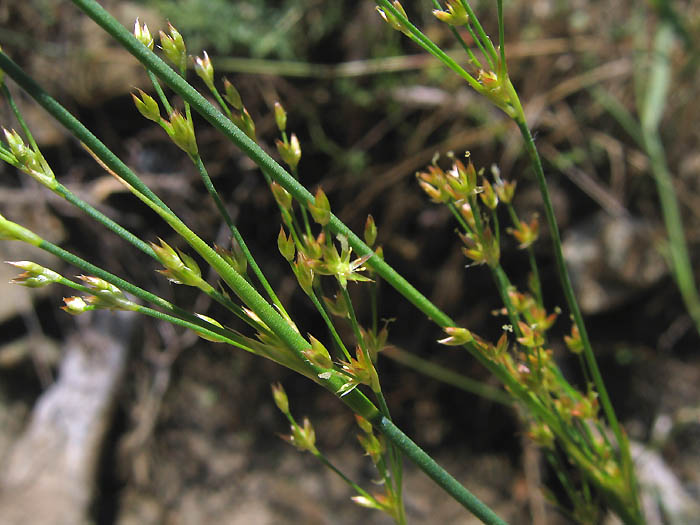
[326, 257]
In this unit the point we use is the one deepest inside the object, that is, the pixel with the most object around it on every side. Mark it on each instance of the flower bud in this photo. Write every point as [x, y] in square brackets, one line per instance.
[304, 273]
[280, 397]
[231, 95]
[280, 117]
[455, 15]
[35, 275]
[247, 124]
[282, 196]
[286, 245]
[174, 47]
[234, 257]
[321, 208]
[365, 425]
[181, 132]
[337, 307]
[574, 342]
[370, 232]
[392, 20]
[76, 305]
[456, 336]
[317, 354]
[505, 190]
[372, 446]
[180, 268]
[526, 234]
[488, 196]
[290, 151]
[26, 158]
[147, 106]
[531, 337]
[143, 35]
[304, 438]
[205, 70]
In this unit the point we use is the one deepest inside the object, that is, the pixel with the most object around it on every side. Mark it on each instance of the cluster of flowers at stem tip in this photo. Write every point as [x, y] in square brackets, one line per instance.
[465, 191]
[180, 268]
[303, 437]
[25, 158]
[103, 295]
[356, 371]
[180, 127]
[311, 255]
[489, 80]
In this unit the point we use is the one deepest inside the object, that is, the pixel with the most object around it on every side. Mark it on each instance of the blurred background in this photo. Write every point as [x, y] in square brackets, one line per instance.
[160, 426]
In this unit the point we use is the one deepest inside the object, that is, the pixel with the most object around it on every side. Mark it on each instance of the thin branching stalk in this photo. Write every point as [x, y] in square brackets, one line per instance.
[355, 399]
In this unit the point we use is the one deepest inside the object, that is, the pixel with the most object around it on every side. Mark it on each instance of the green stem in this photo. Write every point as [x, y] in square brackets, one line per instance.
[159, 91]
[355, 399]
[209, 185]
[536, 282]
[438, 474]
[323, 459]
[447, 376]
[329, 324]
[651, 113]
[133, 289]
[430, 46]
[490, 51]
[568, 290]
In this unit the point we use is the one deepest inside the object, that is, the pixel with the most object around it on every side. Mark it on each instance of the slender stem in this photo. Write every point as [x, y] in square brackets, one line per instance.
[329, 324]
[323, 459]
[568, 288]
[501, 39]
[355, 399]
[651, 113]
[438, 474]
[159, 91]
[132, 289]
[197, 160]
[490, 52]
[125, 234]
[429, 45]
[535, 272]
[447, 375]
[353, 320]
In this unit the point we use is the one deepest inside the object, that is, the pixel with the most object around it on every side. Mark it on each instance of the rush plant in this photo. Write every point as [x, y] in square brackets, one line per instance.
[577, 430]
